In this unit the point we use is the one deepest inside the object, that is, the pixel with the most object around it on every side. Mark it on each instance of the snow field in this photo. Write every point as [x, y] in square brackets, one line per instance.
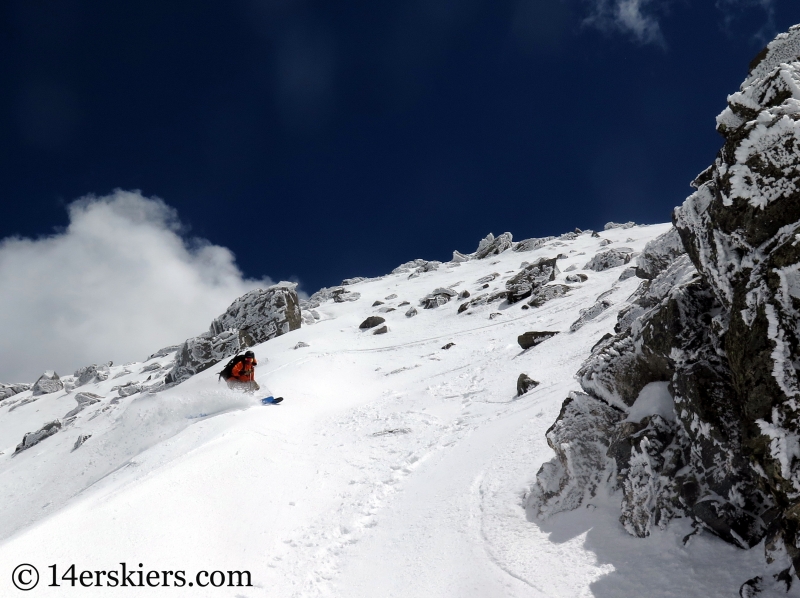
[393, 468]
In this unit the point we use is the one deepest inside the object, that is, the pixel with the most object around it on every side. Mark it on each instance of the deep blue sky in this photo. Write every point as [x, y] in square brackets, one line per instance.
[323, 140]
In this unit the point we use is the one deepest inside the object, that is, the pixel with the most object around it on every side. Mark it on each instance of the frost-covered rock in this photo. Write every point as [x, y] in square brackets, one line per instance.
[532, 276]
[255, 317]
[548, 292]
[612, 258]
[531, 244]
[9, 390]
[579, 277]
[91, 373]
[491, 245]
[482, 299]
[84, 399]
[658, 254]
[613, 225]
[47, 383]
[164, 352]
[262, 314]
[202, 352]
[33, 438]
[438, 297]
[716, 330]
[589, 313]
[580, 438]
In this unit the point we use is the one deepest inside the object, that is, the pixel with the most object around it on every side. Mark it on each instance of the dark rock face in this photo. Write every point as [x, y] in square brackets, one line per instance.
[412, 311]
[525, 383]
[532, 276]
[382, 330]
[533, 338]
[448, 345]
[9, 390]
[33, 438]
[717, 328]
[47, 383]
[371, 322]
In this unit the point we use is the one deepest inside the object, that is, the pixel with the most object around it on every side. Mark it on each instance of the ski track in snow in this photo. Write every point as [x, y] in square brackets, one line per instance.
[393, 467]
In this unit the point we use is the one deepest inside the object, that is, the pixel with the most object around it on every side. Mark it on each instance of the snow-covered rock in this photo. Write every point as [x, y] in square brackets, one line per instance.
[262, 314]
[716, 331]
[611, 258]
[532, 276]
[658, 254]
[47, 383]
[9, 390]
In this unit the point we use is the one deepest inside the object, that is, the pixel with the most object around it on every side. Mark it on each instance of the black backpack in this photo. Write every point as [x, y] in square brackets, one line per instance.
[227, 371]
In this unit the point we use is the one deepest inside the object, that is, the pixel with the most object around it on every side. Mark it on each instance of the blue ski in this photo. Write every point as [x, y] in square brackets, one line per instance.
[271, 400]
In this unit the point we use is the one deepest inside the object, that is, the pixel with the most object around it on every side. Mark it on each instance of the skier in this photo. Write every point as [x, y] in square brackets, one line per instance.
[242, 373]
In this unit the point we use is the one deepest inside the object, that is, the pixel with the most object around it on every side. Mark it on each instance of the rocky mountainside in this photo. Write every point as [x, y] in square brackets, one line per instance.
[692, 409]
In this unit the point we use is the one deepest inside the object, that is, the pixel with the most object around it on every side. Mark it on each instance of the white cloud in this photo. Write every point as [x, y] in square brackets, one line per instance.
[640, 18]
[117, 284]
[634, 17]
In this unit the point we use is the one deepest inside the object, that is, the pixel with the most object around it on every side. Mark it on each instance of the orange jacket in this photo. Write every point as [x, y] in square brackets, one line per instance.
[242, 373]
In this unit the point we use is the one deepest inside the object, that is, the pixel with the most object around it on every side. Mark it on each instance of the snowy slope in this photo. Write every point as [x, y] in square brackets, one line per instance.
[393, 468]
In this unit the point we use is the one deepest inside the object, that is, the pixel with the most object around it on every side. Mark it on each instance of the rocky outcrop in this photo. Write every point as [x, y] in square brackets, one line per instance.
[91, 373]
[9, 390]
[438, 297]
[33, 438]
[530, 278]
[47, 383]
[84, 399]
[716, 331]
[262, 314]
[606, 260]
[547, 293]
[531, 244]
[202, 352]
[255, 317]
[589, 313]
[658, 254]
[491, 245]
[613, 225]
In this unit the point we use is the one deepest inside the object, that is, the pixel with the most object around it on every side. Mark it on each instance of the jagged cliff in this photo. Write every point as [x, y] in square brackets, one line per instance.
[692, 408]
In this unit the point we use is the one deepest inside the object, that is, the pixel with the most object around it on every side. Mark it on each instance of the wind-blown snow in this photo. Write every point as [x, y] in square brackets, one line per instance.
[394, 467]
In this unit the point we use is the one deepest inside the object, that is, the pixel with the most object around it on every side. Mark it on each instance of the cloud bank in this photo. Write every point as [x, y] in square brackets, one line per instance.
[120, 282]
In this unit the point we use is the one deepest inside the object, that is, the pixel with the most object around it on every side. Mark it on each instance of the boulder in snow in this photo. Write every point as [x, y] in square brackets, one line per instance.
[658, 254]
[33, 438]
[534, 337]
[608, 259]
[371, 322]
[525, 383]
[47, 383]
[9, 390]
[533, 276]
